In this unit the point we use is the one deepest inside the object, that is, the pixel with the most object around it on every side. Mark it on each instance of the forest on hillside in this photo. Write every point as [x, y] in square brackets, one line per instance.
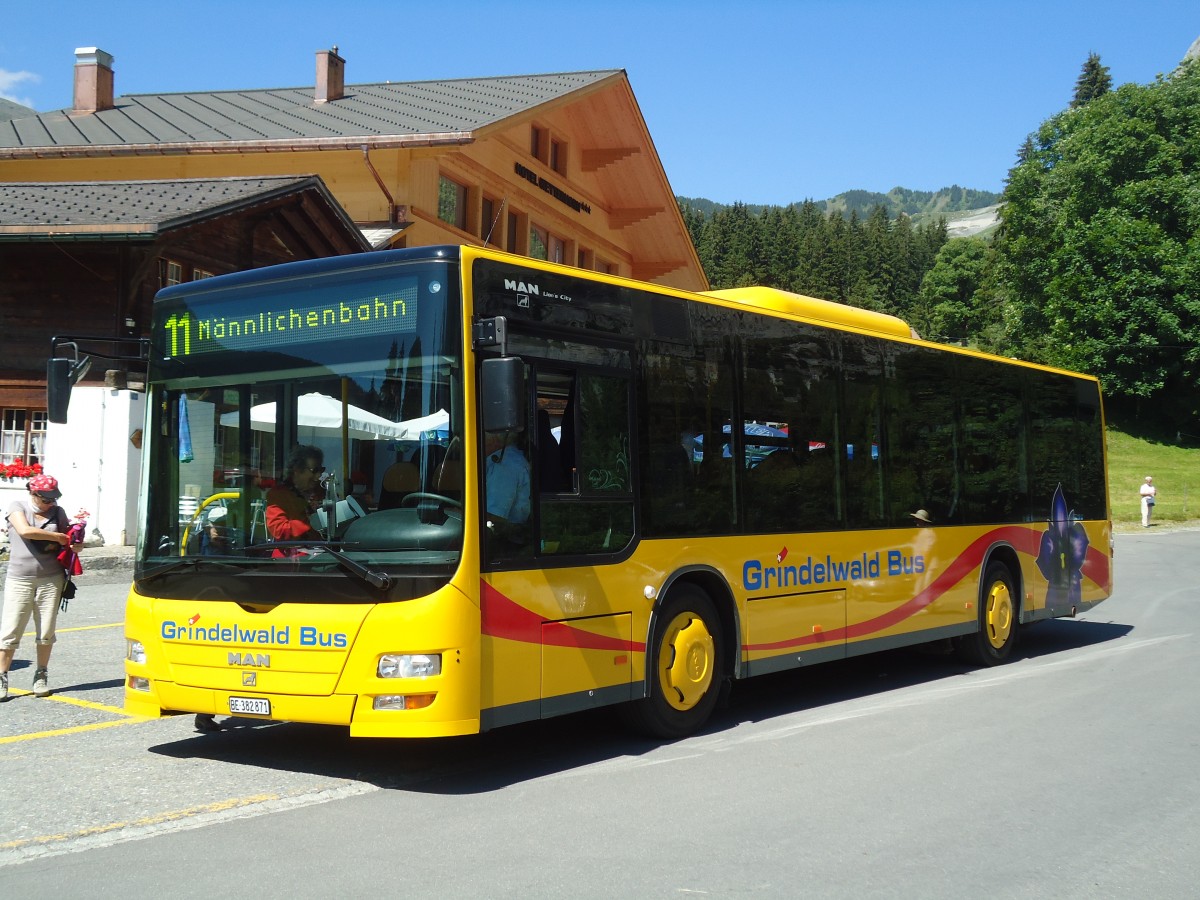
[876, 263]
[1095, 266]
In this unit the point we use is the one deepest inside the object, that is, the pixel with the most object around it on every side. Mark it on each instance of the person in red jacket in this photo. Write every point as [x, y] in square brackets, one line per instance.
[289, 505]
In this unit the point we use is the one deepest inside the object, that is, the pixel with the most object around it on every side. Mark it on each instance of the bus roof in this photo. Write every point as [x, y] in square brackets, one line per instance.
[819, 310]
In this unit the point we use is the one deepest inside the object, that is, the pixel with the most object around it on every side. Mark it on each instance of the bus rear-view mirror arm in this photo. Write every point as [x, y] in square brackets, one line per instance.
[64, 372]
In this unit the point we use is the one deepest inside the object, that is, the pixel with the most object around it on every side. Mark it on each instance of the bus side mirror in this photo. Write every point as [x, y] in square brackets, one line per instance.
[502, 389]
[58, 389]
[61, 376]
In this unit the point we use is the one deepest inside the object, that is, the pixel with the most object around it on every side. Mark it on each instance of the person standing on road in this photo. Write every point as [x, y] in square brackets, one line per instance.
[1148, 492]
[37, 531]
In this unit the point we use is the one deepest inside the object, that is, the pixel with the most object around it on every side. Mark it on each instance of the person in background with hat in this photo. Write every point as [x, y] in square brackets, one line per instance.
[921, 517]
[37, 532]
[1148, 493]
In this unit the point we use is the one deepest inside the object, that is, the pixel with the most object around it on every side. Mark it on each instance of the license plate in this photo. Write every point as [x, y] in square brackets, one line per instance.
[254, 706]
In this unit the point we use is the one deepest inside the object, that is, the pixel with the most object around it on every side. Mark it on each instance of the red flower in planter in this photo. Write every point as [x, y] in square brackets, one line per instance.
[19, 469]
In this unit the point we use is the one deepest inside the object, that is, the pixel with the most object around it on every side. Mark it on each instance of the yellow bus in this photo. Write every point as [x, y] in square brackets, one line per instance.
[543, 490]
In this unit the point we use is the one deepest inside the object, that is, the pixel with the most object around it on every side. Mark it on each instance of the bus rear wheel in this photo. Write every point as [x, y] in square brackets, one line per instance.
[993, 643]
[686, 672]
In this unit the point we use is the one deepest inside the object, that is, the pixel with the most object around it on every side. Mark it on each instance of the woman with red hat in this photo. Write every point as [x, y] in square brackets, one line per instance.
[37, 531]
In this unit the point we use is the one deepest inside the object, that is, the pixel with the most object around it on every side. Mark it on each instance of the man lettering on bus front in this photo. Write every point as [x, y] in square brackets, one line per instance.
[506, 474]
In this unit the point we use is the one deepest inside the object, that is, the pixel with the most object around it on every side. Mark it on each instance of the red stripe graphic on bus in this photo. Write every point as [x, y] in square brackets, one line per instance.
[503, 617]
[1024, 540]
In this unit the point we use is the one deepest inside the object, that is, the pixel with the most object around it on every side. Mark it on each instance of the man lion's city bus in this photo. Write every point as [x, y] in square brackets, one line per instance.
[718, 485]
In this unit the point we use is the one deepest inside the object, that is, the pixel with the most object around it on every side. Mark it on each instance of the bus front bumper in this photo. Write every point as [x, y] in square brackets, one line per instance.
[337, 709]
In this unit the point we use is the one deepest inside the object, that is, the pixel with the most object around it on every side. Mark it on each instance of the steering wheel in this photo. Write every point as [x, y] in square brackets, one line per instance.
[415, 498]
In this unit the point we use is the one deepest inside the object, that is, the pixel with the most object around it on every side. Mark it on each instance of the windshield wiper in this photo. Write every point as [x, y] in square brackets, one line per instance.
[376, 579]
[184, 562]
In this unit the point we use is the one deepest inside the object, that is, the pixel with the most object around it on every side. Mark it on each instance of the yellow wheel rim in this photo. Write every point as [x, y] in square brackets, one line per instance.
[998, 615]
[686, 661]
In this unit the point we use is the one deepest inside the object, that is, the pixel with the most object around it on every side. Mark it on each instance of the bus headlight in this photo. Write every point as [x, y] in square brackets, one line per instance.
[409, 665]
[135, 652]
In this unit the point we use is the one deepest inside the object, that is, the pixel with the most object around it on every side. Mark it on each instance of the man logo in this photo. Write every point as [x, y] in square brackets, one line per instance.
[249, 679]
[258, 660]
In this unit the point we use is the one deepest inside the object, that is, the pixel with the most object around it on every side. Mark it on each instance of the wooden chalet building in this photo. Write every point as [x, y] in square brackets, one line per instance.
[557, 166]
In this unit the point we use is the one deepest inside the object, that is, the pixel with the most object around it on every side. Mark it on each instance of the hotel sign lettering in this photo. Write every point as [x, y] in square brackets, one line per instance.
[552, 189]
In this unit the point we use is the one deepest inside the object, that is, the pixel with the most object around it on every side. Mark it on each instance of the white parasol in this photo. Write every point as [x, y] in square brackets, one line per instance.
[322, 415]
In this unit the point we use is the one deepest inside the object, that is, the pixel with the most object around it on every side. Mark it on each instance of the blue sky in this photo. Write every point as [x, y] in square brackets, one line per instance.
[763, 102]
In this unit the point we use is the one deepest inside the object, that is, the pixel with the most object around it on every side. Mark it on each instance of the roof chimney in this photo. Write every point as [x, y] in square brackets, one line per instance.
[331, 75]
[93, 80]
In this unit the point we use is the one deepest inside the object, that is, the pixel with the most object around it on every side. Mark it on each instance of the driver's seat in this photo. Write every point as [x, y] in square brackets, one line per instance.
[400, 480]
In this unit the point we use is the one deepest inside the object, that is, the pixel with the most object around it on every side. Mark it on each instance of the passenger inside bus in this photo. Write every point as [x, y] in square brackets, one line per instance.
[214, 540]
[290, 504]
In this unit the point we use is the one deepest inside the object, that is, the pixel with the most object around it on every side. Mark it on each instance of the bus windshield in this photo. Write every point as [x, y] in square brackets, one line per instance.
[311, 423]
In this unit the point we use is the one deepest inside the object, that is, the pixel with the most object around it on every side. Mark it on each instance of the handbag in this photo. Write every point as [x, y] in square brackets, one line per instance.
[68, 593]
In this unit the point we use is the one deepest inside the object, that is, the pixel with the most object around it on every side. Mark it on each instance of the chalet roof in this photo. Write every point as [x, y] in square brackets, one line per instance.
[428, 112]
[127, 210]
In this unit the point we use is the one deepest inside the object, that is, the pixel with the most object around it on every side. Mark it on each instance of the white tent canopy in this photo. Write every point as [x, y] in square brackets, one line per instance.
[322, 415]
[414, 428]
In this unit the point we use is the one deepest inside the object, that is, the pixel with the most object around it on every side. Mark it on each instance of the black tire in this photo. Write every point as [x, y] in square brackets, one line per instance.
[687, 667]
[999, 620]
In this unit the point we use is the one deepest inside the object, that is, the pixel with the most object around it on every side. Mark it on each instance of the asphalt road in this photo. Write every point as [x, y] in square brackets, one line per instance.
[1069, 772]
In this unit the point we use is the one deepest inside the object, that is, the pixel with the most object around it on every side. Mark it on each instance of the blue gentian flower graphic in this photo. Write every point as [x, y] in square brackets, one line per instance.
[1061, 555]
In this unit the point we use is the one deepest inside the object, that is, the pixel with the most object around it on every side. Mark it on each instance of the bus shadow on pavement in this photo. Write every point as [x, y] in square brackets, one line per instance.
[498, 759]
[800, 690]
[92, 686]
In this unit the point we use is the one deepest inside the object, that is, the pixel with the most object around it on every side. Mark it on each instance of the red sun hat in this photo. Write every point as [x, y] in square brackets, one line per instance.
[44, 484]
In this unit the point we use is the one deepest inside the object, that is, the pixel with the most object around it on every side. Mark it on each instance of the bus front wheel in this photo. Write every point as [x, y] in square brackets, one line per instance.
[686, 673]
[993, 643]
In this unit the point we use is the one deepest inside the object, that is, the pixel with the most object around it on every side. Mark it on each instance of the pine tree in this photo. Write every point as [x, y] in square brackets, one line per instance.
[1094, 81]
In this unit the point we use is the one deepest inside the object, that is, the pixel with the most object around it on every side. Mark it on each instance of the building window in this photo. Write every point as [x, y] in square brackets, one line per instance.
[539, 143]
[173, 271]
[491, 228]
[514, 233]
[558, 249]
[23, 438]
[452, 203]
[585, 258]
[558, 156]
[539, 242]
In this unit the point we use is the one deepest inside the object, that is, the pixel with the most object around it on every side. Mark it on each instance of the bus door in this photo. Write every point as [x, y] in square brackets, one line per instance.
[548, 558]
